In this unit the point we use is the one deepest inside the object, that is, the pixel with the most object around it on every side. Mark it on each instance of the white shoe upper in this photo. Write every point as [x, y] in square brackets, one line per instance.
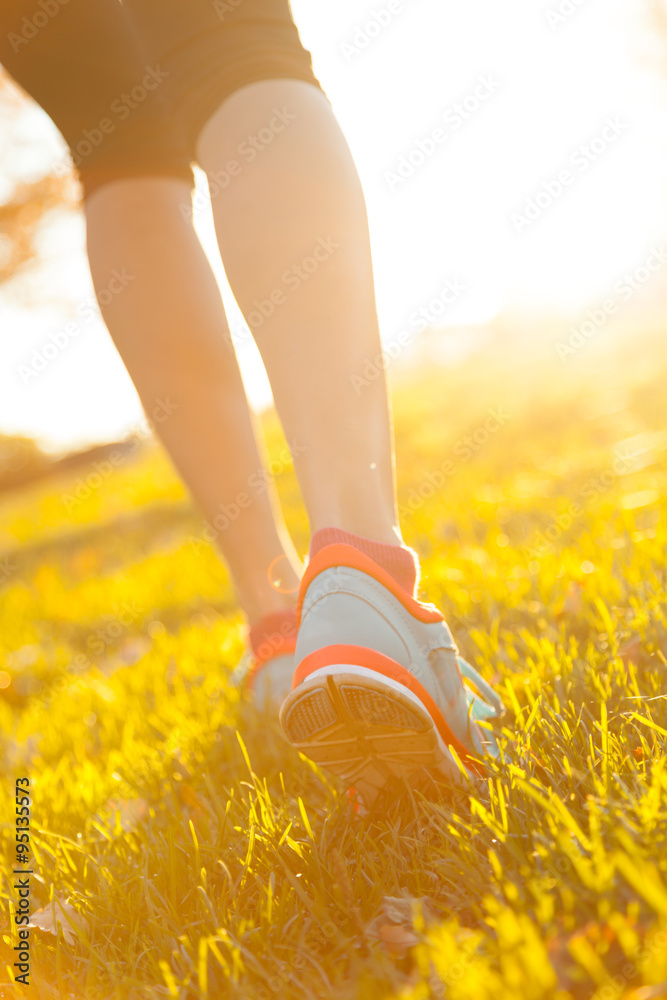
[344, 605]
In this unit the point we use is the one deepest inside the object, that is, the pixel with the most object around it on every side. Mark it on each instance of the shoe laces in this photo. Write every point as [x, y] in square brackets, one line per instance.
[487, 704]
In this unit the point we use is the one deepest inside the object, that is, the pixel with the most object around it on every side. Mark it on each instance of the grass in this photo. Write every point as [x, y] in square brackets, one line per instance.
[196, 855]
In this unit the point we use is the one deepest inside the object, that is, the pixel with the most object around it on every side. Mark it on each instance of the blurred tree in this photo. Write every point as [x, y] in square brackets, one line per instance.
[21, 460]
[24, 204]
[27, 198]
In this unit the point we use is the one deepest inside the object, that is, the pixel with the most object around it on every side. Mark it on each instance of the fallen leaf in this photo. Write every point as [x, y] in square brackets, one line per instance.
[59, 915]
[401, 909]
[395, 924]
[397, 938]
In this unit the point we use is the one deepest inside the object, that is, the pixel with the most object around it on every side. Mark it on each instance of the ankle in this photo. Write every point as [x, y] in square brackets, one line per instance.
[382, 530]
[258, 607]
[267, 597]
[270, 590]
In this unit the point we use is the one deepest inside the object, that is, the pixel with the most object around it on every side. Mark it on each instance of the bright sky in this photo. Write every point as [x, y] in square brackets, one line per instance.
[458, 114]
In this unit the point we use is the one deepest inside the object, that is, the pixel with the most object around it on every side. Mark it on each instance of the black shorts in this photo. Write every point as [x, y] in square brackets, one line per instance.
[130, 85]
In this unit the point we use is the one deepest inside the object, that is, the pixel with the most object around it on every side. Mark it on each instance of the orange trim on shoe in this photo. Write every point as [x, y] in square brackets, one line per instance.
[286, 645]
[361, 656]
[340, 554]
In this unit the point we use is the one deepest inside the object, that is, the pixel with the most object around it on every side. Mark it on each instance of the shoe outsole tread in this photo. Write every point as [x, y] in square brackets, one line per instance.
[362, 729]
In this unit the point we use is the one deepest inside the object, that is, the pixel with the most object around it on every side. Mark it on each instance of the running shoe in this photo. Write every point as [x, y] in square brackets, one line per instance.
[379, 691]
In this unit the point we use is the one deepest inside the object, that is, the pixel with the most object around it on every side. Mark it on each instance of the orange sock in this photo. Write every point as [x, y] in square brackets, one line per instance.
[402, 563]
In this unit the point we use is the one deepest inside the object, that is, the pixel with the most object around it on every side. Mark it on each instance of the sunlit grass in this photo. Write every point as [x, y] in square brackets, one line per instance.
[201, 857]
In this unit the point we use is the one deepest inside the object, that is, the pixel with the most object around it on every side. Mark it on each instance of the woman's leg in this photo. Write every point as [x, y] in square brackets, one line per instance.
[378, 692]
[169, 326]
[88, 72]
[293, 234]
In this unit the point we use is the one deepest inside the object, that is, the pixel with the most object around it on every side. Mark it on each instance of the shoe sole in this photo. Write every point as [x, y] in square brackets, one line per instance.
[367, 728]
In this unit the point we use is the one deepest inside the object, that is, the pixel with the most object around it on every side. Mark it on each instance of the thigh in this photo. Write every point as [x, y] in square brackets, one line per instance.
[82, 62]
